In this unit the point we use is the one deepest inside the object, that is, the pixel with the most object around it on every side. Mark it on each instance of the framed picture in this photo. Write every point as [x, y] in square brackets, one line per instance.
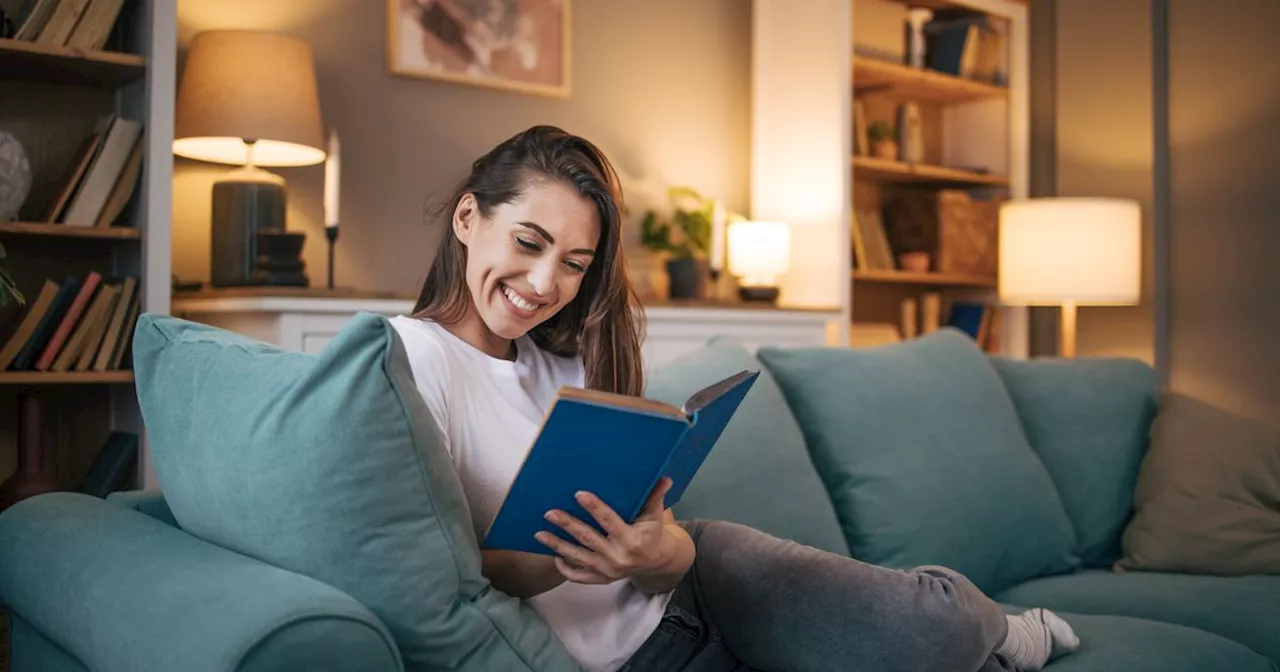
[517, 45]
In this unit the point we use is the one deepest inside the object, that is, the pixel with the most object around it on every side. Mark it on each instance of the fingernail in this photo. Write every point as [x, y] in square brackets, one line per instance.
[581, 494]
[551, 516]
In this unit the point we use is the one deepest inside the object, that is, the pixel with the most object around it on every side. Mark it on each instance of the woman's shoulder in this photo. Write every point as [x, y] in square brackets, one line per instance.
[422, 340]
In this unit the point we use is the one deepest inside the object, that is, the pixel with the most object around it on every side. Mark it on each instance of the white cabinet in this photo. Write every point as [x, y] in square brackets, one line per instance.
[307, 323]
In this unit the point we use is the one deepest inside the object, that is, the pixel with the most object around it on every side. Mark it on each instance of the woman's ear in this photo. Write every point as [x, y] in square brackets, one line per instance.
[466, 217]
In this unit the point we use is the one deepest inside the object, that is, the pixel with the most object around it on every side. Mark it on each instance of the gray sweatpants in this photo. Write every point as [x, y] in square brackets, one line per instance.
[752, 601]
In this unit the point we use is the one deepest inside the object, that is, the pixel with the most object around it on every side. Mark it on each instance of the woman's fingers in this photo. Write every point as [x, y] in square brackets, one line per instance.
[579, 575]
[576, 554]
[608, 519]
[584, 533]
[653, 508]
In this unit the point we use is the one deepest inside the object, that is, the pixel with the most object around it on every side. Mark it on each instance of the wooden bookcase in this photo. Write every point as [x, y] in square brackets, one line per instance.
[813, 69]
[53, 98]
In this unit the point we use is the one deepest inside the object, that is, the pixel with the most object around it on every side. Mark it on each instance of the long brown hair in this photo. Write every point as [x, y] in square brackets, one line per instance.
[603, 323]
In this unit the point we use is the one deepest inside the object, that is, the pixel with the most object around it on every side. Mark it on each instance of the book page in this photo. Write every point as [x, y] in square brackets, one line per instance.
[706, 395]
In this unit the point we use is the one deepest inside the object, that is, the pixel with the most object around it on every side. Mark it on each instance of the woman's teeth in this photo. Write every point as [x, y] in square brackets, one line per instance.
[519, 302]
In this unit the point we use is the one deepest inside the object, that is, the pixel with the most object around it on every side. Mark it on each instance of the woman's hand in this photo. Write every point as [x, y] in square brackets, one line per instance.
[653, 552]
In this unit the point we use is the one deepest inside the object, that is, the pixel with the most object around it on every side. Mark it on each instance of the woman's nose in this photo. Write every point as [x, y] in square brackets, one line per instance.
[542, 278]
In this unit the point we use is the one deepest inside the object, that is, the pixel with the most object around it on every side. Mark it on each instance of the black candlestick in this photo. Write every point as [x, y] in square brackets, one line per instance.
[331, 234]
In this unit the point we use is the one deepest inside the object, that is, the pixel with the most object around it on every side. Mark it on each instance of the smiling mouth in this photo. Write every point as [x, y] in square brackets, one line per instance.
[518, 301]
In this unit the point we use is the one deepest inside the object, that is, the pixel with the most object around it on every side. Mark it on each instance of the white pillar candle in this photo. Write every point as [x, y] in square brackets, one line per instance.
[718, 223]
[332, 167]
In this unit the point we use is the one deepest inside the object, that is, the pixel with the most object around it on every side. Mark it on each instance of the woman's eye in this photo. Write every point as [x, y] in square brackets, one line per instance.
[577, 267]
[527, 244]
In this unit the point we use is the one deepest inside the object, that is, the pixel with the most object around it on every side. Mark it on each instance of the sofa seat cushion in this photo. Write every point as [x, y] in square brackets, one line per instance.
[30, 650]
[759, 473]
[919, 447]
[1111, 643]
[330, 466]
[1245, 609]
[1088, 420]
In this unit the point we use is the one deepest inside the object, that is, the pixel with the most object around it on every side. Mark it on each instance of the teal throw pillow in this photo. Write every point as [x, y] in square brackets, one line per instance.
[1088, 419]
[330, 466]
[759, 473]
[921, 449]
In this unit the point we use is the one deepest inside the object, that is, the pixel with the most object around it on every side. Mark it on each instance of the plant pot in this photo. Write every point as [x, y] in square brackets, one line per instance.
[686, 279]
[884, 149]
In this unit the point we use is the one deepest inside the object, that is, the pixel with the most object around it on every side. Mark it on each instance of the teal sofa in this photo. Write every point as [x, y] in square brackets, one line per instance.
[311, 521]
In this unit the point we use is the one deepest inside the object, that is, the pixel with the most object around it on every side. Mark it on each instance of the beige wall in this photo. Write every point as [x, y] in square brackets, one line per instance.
[661, 85]
[1103, 145]
[1224, 138]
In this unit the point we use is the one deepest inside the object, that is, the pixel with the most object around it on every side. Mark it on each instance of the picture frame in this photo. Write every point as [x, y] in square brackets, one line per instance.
[516, 45]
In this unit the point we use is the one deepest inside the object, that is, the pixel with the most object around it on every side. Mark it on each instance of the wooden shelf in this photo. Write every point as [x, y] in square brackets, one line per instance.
[888, 170]
[872, 76]
[65, 378]
[64, 231]
[934, 279]
[20, 59]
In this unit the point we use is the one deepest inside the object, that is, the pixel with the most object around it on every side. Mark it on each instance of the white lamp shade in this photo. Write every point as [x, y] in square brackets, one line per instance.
[759, 251]
[242, 85]
[1086, 251]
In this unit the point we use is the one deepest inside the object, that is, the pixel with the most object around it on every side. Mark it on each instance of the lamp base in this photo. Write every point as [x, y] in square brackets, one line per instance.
[758, 294]
[246, 201]
[279, 261]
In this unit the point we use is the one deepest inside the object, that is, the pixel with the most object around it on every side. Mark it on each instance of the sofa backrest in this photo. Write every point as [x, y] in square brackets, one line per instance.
[759, 473]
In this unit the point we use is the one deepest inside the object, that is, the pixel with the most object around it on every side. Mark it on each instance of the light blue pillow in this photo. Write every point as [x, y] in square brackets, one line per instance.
[1088, 419]
[330, 466]
[759, 473]
[920, 447]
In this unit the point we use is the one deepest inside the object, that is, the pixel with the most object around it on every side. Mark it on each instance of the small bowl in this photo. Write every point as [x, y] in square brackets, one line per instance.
[914, 262]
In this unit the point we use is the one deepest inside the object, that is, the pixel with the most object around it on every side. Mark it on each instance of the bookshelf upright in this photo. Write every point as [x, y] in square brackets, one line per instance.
[56, 95]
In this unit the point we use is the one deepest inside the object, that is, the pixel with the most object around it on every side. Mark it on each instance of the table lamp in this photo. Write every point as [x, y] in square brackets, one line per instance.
[249, 99]
[1070, 252]
[759, 252]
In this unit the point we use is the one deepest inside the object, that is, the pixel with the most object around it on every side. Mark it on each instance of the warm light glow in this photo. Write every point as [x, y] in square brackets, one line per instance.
[241, 85]
[234, 151]
[759, 252]
[1059, 250]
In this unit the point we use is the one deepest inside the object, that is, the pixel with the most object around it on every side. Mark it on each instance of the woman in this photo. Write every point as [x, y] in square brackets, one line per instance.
[528, 292]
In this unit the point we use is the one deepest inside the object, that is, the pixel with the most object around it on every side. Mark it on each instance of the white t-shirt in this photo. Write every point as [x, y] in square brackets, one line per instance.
[490, 410]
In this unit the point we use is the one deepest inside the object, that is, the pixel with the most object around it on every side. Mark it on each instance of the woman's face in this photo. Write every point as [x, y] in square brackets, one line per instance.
[527, 259]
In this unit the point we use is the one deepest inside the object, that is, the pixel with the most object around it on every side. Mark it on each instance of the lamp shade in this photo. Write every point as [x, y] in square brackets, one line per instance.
[1086, 251]
[759, 251]
[243, 86]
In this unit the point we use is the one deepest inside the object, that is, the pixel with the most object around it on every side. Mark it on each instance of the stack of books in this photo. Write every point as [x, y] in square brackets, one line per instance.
[80, 24]
[102, 178]
[76, 324]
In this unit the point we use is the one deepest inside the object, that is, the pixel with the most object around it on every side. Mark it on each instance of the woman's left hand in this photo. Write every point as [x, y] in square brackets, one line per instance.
[643, 549]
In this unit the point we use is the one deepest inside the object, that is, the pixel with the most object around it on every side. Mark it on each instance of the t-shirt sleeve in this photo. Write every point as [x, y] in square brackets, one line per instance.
[431, 371]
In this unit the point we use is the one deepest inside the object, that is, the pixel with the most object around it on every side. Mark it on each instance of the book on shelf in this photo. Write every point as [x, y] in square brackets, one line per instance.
[617, 447]
[76, 324]
[79, 24]
[966, 44]
[111, 164]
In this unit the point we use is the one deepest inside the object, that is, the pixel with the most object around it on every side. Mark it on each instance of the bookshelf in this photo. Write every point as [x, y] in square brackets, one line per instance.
[57, 93]
[855, 209]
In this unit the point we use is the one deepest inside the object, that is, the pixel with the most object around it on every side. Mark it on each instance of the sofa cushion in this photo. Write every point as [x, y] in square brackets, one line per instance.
[920, 448]
[1245, 609]
[1109, 643]
[330, 466]
[759, 473]
[1208, 494]
[1088, 420]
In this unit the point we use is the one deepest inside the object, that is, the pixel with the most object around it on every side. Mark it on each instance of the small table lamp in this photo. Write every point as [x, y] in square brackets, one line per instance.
[1070, 252]
[248, 99]
[759, 252]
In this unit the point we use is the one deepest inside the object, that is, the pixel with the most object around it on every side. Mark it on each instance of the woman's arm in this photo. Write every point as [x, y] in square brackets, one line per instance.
[520, 575]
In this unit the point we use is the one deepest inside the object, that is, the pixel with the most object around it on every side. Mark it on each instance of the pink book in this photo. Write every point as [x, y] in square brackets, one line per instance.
[69, 321]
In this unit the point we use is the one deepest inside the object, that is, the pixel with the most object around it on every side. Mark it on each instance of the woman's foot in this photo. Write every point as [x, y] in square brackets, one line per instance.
[1036, 637]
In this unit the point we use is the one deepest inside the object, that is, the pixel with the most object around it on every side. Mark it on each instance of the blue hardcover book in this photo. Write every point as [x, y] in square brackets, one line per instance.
[615, 446]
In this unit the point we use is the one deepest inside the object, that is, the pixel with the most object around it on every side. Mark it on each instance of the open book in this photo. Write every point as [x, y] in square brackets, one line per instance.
[615, 446]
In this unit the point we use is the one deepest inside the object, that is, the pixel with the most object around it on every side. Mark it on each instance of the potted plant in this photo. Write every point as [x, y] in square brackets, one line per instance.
[685, 238]
[8, 288]
[883, 145]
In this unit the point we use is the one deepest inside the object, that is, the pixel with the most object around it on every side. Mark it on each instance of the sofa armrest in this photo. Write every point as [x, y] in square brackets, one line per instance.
[123, 591]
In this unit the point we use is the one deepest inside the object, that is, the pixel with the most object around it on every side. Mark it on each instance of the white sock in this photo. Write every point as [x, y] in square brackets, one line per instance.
[1036, 637]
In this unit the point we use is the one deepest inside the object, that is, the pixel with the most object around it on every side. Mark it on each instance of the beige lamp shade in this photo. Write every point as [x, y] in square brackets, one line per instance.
[1082, 251]
[759, 251]
[243, 86]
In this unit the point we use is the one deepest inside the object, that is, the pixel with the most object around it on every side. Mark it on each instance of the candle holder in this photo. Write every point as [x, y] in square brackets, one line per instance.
[331, 235]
